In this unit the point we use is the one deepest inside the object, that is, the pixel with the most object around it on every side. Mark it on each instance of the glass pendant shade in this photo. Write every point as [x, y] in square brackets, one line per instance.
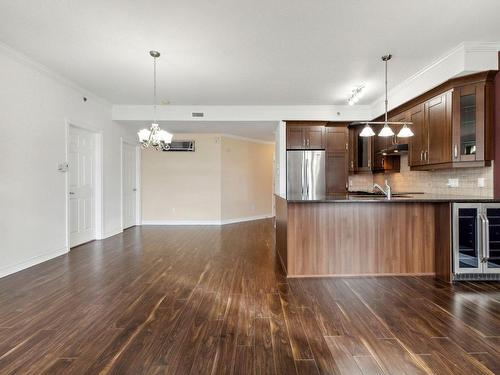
[386, 131]
[143, 135]
[164, 136]
[367, 131]
[405, 132]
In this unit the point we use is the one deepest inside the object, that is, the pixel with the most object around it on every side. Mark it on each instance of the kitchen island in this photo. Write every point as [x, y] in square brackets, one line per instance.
[355, 235]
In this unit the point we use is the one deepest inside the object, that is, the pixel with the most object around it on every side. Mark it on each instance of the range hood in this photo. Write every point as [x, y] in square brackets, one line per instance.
[395, 150]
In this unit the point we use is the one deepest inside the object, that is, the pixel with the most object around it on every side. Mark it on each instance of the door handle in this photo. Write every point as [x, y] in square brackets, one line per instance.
[422, 155]
[455, 151]
[484, 238]
[426, 155]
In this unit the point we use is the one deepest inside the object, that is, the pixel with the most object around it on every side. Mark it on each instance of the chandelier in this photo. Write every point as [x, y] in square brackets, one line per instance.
[154, 137]
[386, 131]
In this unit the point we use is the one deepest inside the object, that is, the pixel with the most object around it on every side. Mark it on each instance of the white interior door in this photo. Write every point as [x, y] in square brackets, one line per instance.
[129, 187]
[81, 157]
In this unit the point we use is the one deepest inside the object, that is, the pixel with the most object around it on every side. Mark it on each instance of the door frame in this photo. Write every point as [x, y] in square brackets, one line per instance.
[137, 181]
[98, 179]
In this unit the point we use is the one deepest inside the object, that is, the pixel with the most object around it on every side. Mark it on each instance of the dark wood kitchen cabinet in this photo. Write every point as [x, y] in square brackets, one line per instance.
[453, 124]
[472, 122]
[431, 143]
[360, 151]
[417, 143]
[305, 136]
[337, 158]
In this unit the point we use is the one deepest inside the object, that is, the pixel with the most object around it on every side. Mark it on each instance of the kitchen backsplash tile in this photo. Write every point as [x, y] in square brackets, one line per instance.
[434, 182]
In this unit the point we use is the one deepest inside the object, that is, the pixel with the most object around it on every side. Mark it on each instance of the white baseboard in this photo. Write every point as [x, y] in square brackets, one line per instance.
[248, 218]
[111, 233]
[206, 222]
[181, 222]
[4, 271]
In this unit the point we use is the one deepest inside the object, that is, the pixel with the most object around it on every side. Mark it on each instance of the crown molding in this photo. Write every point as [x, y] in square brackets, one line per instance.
[465, 58]
[46, 71]
[247, 139]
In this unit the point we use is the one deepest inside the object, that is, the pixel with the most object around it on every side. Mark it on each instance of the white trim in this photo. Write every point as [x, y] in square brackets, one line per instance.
[206, 222]
[181, 222]
[248, 218]
[238, 137]
[33, 261]
[27, 61]
[111, 233]
[465, 58]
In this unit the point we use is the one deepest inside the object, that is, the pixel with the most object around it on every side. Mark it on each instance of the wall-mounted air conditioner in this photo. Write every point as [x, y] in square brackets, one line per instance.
[181, 146]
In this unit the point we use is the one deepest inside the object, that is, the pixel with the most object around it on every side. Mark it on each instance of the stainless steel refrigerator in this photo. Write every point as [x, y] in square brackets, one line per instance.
[305, 174]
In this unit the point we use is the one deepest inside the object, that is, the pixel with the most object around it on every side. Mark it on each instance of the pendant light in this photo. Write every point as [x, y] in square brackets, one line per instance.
[154, 137]
[405, 132]
[386, 130]
[367, 131]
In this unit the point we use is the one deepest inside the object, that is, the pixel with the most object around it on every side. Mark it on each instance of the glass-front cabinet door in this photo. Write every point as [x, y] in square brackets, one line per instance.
[468, 123]
[364, 152]
[492, 238]
[466, 238]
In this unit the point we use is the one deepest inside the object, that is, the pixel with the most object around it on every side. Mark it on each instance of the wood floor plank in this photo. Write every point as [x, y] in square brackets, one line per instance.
[215, 300]
[264, 357]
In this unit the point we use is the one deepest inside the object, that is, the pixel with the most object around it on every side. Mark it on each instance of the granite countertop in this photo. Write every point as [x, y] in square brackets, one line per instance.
[405, 197]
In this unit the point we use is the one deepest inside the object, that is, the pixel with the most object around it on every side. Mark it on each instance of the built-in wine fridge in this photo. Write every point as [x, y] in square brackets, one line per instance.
[476, 241]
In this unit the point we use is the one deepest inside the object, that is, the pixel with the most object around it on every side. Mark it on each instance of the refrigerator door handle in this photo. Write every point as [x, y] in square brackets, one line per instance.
[302, 175]
[307, 174]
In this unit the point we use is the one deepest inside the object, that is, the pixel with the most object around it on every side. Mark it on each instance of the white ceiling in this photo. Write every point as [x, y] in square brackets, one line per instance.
[241, 52]
[258, 130]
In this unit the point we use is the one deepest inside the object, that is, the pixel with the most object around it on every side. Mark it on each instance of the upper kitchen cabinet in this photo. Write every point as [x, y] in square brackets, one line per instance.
[437, 115]
[305, 135]
[473, 122]
[418, 143]
[453, 124]
[337, 158]
[361, 151]
[431, 143]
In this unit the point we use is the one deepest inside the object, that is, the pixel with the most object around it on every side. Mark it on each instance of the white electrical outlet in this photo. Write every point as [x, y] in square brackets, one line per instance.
[480, 182]
[452, 182]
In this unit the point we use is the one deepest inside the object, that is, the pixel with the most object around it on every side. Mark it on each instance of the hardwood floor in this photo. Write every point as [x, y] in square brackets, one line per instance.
[213, 300]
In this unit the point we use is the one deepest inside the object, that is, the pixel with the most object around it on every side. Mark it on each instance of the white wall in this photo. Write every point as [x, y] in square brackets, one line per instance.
[34, 105]
[227, 179]
[182, 187]
[247, 179]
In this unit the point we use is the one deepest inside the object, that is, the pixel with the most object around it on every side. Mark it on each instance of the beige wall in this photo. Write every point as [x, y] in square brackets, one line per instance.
[224, 179]
[434, 182]
[247, 178]
[178, 186]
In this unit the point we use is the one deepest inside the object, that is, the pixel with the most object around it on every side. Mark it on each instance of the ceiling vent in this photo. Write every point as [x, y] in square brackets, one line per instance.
[197, 114]
[180, 146]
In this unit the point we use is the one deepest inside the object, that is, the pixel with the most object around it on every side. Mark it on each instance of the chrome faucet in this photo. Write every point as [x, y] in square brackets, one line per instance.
[387, 192]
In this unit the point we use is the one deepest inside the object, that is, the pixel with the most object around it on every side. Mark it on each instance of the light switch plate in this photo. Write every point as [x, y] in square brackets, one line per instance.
[480, 182]
[452, 182]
